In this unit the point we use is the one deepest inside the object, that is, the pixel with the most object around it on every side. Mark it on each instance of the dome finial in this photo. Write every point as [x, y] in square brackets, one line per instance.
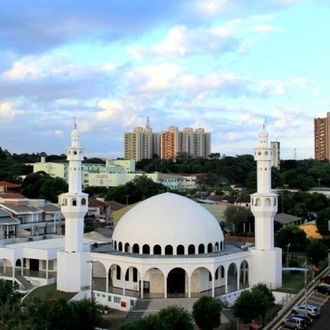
[74, 123]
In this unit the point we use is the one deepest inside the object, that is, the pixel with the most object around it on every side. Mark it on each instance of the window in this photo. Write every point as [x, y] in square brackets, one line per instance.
[135, 275]
[146, 249]
[127, 275]
[180, 250]
[157, 249]
[168, 250]
[118, 273]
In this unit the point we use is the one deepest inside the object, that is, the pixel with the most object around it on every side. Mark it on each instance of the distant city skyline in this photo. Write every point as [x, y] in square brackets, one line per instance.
[224, 65]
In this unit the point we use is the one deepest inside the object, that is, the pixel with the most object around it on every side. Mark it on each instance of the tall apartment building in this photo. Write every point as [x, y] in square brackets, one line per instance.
[322, 138]
[277, 154]
[143, 143]
[170, 143]
[196, 143]
[138, 144]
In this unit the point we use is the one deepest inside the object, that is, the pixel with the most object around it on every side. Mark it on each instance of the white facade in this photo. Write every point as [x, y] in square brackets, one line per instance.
[72, 271]
[264, 208]
[167, 245]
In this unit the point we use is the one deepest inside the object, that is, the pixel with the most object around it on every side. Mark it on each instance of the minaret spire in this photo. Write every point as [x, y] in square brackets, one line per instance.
[72, 266]
[264, 208]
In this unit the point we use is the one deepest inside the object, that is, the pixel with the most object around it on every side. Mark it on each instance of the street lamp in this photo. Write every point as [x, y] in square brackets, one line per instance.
[92, 262]
[287, 255]
[305, 284]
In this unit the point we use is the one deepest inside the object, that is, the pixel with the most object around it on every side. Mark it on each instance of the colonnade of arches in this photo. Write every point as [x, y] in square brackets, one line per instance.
[169, 249]
[178, 281]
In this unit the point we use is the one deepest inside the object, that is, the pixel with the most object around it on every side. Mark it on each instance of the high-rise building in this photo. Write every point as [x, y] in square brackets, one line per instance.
[276, 154]
[143, 143]
[170, 143]
[138, 144]
[322, 138]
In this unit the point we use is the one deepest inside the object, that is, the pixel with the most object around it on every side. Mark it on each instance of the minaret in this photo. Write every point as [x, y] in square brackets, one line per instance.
[267, 260]
[72, 267]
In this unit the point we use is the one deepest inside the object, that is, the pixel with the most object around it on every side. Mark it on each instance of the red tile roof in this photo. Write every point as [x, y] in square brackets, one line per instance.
[9, 184]
[12, 196]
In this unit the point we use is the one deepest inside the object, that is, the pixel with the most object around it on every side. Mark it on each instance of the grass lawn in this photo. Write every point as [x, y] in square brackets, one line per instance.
[294, 282]
[48, 292]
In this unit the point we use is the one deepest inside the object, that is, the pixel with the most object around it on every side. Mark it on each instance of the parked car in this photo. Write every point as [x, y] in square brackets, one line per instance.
[294, 323]
[323, 288]
[312, 311]
[304, 317]
[325, 279]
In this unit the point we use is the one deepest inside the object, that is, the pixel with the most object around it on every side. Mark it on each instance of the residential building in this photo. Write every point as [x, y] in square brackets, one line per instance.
[6, 186]
[138, 144]
[322, 138]
[9, 226]
[35, 216]
[170, 143]
[143, 143]
[196, 143]
[276, 154]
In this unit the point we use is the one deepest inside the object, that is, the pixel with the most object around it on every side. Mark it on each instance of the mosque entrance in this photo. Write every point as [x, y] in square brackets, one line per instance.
[34, 264]
[176, 281]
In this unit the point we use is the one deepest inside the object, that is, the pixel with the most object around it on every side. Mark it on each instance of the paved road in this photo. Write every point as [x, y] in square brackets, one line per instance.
[322, 301]
[323, 322]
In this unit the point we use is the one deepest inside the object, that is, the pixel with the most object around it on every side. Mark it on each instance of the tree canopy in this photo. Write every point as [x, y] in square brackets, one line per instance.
[42, 185]
[140, 188]
[206, 313]
[172, 317]
[254, 303]
[57, 314]
[293, 235]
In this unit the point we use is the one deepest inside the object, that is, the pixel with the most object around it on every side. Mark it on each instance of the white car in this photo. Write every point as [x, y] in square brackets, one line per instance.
[312, 311]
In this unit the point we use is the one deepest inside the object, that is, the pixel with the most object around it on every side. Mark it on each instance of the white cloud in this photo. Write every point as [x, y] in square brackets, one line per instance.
[265, 28]
[154, 78]
[8, 111]
[272, 88]
[110, 109]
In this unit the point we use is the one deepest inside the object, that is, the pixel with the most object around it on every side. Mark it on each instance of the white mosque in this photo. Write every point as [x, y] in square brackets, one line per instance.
[166, 246]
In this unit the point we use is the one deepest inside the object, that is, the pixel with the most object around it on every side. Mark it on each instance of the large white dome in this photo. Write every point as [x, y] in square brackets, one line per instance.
[168, 220]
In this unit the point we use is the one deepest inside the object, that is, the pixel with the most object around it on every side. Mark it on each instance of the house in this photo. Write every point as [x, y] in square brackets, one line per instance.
[9, 226]
[243, 201]
[6, 186]
[99, 212]
[36, 216]
[283, 219]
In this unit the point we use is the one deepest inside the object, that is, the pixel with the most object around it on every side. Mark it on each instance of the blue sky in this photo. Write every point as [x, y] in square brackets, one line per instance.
[224, 65]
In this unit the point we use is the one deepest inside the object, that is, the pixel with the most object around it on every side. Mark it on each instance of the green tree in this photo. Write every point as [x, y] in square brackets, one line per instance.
[85, 314]
[206, 313]
[322, 221]
[293, 235]
[51, 188]
[42, 185]
[316, 250]
[172, 317]
[252, 304]
[140, 188]
[176, 318]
